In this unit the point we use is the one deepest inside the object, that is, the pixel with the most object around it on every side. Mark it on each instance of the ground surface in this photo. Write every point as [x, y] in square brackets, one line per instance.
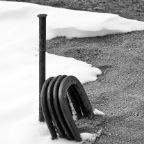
[119, 91]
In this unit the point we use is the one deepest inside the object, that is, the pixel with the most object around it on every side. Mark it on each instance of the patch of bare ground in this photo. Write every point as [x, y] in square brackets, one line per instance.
[119, 91]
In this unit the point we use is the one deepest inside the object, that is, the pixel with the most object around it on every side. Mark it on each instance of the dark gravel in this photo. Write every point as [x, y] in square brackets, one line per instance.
[119, 91]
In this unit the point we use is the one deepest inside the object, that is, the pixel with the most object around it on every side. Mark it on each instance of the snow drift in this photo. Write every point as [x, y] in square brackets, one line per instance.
[64, 22]
[19, 62]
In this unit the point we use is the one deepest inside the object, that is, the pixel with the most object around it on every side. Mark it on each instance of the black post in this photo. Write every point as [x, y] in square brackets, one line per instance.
[42, 50]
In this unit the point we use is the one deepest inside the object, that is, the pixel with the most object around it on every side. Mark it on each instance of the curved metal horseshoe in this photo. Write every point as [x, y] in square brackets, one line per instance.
[57, 112]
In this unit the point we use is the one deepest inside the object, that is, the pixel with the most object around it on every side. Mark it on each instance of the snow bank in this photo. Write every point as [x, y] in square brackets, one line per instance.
[19, 63]
[64, 22]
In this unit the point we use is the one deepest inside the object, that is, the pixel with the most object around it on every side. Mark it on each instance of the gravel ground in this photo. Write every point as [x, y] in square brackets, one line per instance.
[119, 91]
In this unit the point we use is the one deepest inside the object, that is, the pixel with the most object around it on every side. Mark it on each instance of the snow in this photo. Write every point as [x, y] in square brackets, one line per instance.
[98, 112]
[19, 63]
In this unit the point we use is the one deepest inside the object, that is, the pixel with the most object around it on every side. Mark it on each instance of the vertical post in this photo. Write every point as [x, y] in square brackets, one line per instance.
[42, 50]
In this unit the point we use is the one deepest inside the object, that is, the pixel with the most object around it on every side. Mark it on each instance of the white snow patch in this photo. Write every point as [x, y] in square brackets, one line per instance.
[89, 138]
[98, 112]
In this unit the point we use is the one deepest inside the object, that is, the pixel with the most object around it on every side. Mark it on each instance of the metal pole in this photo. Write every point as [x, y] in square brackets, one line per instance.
[42, 50]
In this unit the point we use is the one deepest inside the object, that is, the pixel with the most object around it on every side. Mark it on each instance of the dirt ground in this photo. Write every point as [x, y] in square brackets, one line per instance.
[119, 91]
